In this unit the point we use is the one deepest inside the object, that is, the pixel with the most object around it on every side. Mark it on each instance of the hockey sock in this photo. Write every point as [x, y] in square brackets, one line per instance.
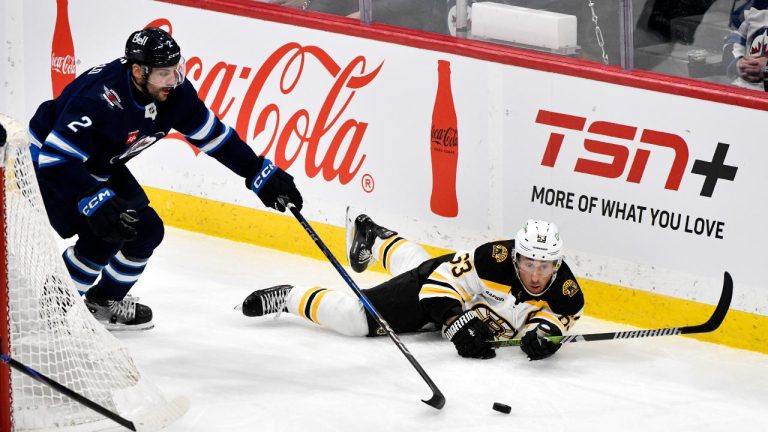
[84, 272]
[337, 310]
[119, 276]
[398, 255]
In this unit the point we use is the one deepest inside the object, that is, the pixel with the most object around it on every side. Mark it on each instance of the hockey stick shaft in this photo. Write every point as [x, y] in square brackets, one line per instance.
[437, 400]
[37, 376]
[712, 324]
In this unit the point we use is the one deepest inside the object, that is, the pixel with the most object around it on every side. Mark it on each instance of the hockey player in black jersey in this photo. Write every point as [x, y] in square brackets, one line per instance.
[502, 289]
[81, 142]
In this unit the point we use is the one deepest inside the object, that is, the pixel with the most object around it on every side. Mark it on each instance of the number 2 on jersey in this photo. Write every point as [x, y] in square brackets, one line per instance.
[86, 122]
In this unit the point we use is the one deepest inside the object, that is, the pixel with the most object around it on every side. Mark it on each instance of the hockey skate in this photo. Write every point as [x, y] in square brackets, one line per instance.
[265, 301]
[126, 314]
[361, 233]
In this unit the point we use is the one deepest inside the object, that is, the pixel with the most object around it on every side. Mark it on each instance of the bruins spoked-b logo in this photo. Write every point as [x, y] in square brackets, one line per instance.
[570, 288]
[499, 253]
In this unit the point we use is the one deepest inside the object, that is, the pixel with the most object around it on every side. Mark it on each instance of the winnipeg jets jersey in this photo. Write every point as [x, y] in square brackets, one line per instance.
[485, 280]
[101, 121]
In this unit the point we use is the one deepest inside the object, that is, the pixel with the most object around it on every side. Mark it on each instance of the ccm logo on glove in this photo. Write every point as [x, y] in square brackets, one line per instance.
[89, 204]
[266, 172]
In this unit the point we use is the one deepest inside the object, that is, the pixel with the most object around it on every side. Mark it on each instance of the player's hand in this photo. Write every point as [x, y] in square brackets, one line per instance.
[470, 335]
[535, 343]
[274, 187]
[108, 216]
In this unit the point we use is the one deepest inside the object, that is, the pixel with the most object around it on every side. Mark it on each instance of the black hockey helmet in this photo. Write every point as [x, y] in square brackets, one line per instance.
[152, 47]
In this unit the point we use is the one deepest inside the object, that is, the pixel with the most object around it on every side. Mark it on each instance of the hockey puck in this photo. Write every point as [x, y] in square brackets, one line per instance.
[500, 407]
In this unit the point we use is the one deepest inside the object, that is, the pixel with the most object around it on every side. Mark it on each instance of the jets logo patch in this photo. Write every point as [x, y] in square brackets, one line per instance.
[112, 99]
[499, 253]
[570, 288]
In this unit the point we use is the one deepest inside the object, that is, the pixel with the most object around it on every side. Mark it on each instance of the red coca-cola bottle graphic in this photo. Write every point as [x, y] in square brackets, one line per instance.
[62, 50]
[445, 146]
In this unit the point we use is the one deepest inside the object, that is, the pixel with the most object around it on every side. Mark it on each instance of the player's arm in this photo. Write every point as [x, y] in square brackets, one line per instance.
[62, 171]
[201, 127]
[444, 295]
[64, 152]
[554, 316]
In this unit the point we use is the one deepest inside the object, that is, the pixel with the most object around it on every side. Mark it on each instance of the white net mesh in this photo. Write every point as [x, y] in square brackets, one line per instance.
[53, 332]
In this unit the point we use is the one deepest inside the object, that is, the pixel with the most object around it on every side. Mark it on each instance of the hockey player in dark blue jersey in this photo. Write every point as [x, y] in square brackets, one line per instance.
[81, 142]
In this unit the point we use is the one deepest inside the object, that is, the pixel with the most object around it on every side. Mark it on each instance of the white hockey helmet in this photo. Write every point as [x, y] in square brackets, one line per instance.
[539, 240]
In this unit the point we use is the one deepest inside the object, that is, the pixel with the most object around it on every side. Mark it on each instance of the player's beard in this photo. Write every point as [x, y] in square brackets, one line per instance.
[159, 94]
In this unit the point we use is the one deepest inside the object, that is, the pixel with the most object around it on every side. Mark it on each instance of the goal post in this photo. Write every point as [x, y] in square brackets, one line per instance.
[44, 323]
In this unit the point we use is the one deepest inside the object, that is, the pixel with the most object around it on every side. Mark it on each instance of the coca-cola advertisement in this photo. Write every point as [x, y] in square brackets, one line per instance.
[63, 64]
[356, 124]
[444, 149]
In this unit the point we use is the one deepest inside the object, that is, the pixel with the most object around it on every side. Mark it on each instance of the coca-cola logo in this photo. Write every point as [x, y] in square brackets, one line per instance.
[63, 64]
[445, 137]
[328, 138]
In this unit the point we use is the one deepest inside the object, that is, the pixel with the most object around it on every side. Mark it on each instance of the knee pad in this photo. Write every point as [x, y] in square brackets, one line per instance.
[150, 232]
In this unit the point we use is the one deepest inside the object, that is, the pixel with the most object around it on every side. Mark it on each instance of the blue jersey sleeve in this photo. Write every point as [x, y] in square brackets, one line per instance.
[68, 147]
[201, 127]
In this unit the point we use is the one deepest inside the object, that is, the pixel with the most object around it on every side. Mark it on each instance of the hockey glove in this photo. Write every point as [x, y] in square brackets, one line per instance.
[470, 335]
[535, 344]
[274, 187]
[108, 216]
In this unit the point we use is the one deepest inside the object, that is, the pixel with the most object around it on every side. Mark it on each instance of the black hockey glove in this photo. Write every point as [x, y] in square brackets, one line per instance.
[470, 335]
[108, 216]
[535, 344]
[274, 187]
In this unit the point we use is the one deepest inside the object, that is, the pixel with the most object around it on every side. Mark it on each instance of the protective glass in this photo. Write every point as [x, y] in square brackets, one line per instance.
[543, 268]
[171, 76]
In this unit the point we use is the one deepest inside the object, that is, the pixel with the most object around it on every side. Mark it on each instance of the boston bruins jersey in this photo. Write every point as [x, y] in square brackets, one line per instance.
[485, 280]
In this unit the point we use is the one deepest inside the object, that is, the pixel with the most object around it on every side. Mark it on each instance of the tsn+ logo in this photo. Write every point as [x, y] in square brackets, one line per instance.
[619, 156]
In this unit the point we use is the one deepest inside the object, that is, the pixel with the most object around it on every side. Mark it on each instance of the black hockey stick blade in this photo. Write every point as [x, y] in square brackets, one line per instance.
[437, 400]
[714, 321]
[720, 311]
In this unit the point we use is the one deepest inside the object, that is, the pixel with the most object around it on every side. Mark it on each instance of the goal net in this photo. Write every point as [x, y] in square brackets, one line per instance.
[45, 325]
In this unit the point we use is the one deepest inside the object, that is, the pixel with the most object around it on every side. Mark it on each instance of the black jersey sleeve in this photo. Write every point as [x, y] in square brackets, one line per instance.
[565, 296]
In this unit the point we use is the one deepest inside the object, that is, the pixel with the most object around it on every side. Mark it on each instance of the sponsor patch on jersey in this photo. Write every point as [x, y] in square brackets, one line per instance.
[137, 147]
[113, 100]
[131, 137]
[570, 288]
[494, 296]
[499, 253]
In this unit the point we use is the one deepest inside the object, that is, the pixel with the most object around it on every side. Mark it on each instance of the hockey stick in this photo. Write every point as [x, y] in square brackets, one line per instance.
[437, 400]
[712, 324]
[37, 376]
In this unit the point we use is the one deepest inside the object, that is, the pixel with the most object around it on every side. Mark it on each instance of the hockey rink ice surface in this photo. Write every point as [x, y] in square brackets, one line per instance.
[258, 374]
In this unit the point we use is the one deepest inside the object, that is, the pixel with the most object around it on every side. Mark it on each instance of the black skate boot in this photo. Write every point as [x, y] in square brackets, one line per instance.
[360, 237]
[266, 301]
[126, 314]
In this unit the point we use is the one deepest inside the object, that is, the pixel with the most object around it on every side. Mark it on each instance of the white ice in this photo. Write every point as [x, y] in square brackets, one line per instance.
[258, 374]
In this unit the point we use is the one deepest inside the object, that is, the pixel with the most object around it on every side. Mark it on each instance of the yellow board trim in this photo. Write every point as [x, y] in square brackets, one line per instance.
[604, 301]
